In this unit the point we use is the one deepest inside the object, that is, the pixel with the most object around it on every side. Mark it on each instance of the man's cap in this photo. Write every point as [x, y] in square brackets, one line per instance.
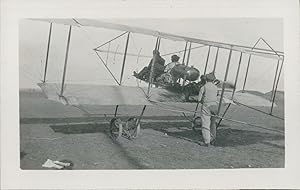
[203, 77]
[210, 76]
[175, 57]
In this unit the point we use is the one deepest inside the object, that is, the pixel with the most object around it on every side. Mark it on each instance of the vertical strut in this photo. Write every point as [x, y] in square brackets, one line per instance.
[183, 59]
[124, 58]
[225, 79]
[207, 58]
[189, 54]
[275, 78]
[237, 74]
[187, 61]
[158, 45]
[216, 59]
[152, 66]
[142, 113]
[196, 108]
[246, 75]
[47, 55]
[219, 123]
[275, 90]
[66, 61]
[116, 110]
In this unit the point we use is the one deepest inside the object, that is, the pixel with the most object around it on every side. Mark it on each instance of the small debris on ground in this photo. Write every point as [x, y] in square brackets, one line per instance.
[64, 164]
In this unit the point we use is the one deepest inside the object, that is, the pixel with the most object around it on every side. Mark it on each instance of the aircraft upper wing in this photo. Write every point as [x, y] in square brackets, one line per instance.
[121, 27]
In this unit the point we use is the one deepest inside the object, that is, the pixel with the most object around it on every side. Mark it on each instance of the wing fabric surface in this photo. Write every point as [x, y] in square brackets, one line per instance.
[249, 99]
[121, 27]
[78, 94]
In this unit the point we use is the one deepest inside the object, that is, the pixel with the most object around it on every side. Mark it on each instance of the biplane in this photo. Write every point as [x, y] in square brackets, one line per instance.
[153, 92]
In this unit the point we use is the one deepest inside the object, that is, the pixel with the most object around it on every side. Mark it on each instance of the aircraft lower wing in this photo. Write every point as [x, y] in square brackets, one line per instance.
[249, 99]
[78, 94]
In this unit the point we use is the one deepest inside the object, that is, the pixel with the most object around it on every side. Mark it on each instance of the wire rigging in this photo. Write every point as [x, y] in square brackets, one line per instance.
[223, 118]
[262, 76]
[171, 107]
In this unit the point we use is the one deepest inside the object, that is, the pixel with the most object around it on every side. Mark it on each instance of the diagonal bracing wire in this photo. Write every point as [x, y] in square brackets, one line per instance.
[111, 40]
[107, 68]
[183, 50]
[219, 117]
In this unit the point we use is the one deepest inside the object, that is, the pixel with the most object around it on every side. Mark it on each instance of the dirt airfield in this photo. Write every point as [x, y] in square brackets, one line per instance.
[49, 130]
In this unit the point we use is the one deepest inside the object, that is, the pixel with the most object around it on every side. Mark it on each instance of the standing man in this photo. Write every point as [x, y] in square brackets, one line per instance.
[208, 98]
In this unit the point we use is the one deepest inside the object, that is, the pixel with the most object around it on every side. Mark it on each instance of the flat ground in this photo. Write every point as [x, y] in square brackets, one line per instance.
[49, 130]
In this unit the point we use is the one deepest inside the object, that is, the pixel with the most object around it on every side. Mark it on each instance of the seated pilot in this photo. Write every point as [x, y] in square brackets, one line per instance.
[159, 66]
[166, 77]
[174, 61]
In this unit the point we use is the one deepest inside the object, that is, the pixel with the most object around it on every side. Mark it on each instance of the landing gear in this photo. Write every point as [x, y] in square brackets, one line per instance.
[115, 127]
[129, 129]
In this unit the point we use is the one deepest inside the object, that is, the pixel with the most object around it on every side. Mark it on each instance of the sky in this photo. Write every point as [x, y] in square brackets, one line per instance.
[85, 67]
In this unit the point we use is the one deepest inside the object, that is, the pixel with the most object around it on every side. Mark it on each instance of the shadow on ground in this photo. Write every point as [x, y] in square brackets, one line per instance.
[78, 128]
[98, 128]
[226, 137]
[82, 128]
[133, 160]
[234, 137]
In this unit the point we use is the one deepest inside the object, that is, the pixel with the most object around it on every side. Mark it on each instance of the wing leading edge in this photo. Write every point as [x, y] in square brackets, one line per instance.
[100, 24]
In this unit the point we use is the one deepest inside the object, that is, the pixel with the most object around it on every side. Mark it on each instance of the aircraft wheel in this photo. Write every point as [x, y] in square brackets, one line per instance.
[115, 128]
[168, 78]
[197, 123]
[132, 128]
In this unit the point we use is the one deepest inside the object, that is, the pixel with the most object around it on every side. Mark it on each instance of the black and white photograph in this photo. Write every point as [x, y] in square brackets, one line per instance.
[151, 93]
[160, 94]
